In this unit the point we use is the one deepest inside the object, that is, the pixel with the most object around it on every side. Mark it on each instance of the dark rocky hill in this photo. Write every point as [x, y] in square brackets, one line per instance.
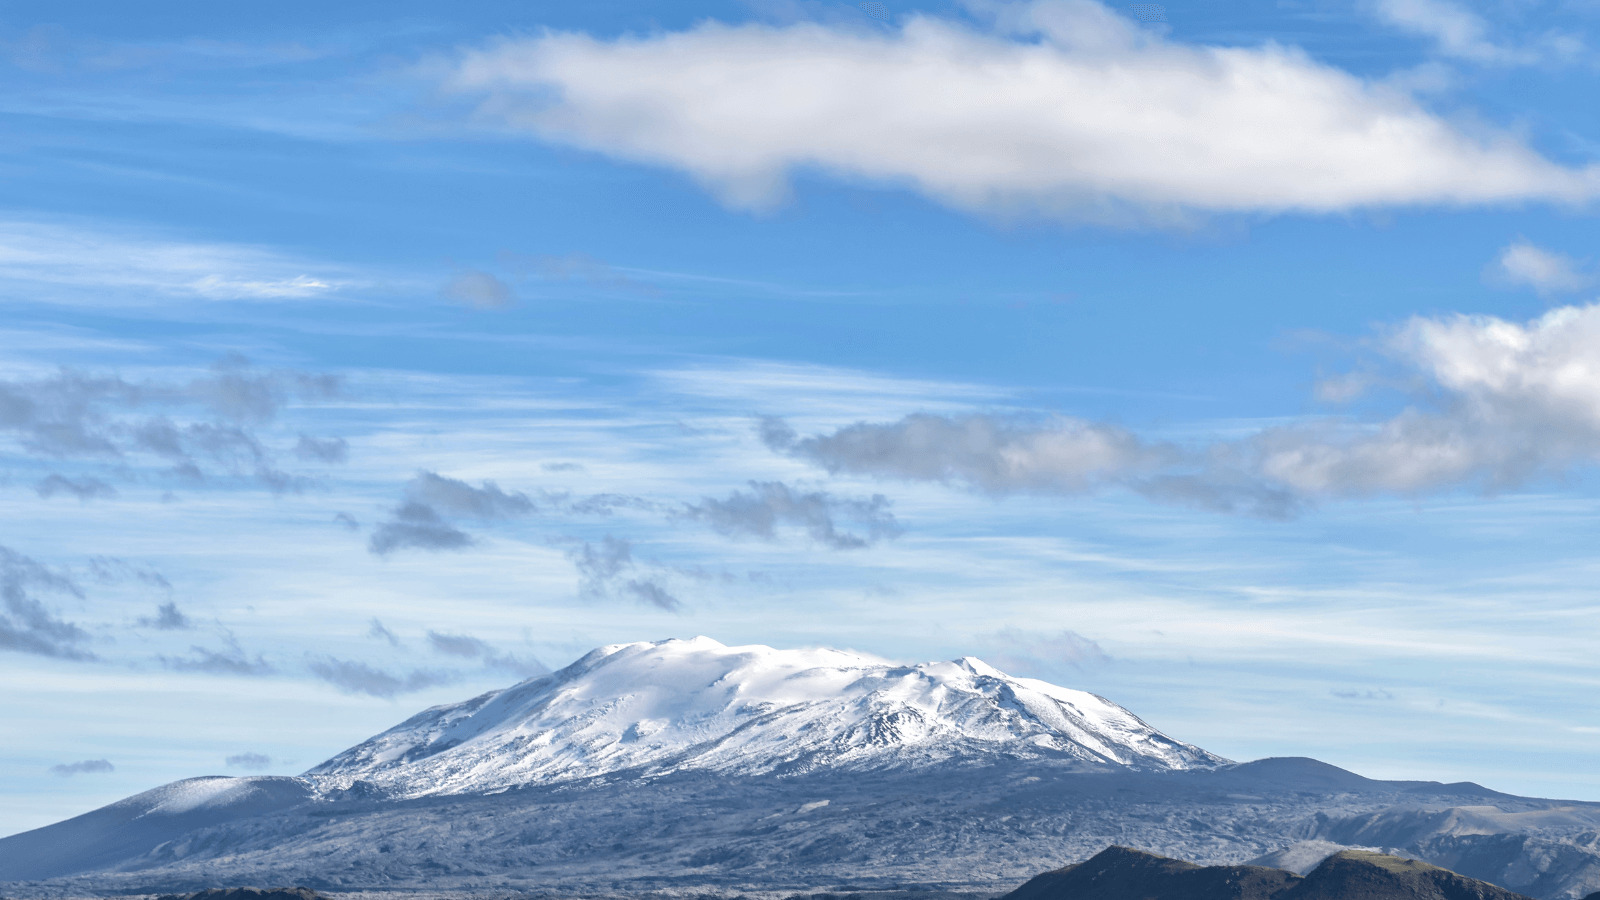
[1118, 873]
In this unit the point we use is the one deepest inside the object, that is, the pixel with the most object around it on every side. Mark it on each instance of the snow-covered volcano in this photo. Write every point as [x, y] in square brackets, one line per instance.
[656, 708]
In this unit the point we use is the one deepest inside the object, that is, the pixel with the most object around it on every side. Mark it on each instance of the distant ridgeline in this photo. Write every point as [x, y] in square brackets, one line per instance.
[1118, 873]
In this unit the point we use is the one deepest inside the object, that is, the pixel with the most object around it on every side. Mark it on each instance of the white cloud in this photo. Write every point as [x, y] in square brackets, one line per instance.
[1523, 263]
[1518, 401]
[1463, 34]
[1061, 108]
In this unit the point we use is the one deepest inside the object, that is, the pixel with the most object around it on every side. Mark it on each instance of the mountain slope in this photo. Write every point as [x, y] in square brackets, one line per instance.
[130, 827]
[657, 708]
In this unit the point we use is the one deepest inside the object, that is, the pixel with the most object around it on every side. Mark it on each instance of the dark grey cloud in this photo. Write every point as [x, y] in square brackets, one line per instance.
[324, 450]
[232, 660]
[205, 422]
[280, 482]
[758, 513]
[252, 761]
[454, 497]
[83, 767]
[416, 526]
[27, 625]
[167, 618]
[478, 289]
[469, 647]
[421, 521]
[651, 593]
[85, 488]
[458, 645]
[1017, 453]
[380, 632]
[997, 453]
[360, 678]
[602, 567]
[348, 521]
[601, 504]
[600, 563]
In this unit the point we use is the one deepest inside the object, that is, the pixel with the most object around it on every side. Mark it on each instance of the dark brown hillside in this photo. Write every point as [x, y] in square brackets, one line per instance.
[1358, 875]
[1118, 873]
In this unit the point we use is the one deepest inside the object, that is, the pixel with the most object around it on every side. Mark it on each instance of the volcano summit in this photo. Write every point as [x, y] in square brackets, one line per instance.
[652, 709]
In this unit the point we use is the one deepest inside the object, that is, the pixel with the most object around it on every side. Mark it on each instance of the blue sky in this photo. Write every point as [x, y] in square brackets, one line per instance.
[1235, 361]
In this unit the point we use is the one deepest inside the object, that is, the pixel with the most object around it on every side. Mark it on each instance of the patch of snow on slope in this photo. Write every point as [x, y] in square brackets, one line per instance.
[655, 708]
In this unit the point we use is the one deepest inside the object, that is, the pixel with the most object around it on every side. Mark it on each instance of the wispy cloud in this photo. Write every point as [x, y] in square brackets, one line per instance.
[231, 660]
[85, 488]
[27, 625]
[1045, 655]
[359, 678]
[758, 512]
[478, 289]
[84, 266]
[167, 618]
[1546, 271]
[1150, 130]
[249, 760]
[420, 523]
[1460, 33]
[468, 647]
[607, 568]
[84, 767]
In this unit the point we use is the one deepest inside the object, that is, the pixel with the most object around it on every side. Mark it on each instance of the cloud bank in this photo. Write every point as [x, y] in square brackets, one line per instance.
[1057, 107]
[1492, 405]
[196, 428]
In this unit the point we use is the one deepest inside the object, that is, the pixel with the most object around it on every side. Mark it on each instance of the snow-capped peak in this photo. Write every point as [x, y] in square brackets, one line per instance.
[654, 708]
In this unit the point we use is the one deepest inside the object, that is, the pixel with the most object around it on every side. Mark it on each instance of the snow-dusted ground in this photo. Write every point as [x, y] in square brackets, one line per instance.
[685, 767]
